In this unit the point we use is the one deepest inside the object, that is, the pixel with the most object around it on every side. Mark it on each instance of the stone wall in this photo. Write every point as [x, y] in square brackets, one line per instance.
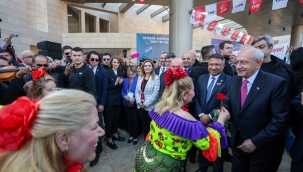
[32, 24]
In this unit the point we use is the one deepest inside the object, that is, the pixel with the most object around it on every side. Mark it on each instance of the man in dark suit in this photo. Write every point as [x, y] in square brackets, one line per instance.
[101, 80]
[226, 50]
[296, 150]
[259, 105]
[187, 63]
[168, 58]
[161, 68]
[206, 89]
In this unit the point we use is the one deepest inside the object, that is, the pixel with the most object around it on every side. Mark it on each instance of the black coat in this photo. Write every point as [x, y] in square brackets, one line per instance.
[296, 151]
[228, 70]
[285, 71]
[9, 93]
[200, 69]
[114, 91]
[82, 78]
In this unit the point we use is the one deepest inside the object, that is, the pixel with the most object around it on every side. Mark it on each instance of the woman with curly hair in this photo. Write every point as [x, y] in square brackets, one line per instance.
[173, 131]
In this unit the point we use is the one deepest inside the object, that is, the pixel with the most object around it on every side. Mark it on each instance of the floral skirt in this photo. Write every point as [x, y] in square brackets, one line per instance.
[149, 159]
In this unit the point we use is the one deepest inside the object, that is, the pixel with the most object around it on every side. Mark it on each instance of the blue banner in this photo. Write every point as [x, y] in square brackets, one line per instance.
[151, 45]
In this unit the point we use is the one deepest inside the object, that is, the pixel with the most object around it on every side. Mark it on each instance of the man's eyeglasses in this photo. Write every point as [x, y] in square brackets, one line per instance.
[106, 59]
[154, 62]
[92, 59]
[40, 65]
[29, 56]
[68, 53]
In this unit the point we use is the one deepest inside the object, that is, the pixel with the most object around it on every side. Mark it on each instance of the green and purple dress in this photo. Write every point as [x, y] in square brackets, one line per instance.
[171, 137]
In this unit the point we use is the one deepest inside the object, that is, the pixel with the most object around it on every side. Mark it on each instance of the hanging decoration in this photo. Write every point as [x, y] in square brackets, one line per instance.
[254, 5]
[238, 5]
[223, 7]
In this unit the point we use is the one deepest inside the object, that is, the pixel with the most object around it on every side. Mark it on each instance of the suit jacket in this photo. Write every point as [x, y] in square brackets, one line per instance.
[124, 90]
[296, 150]
[221, 86]
[162, 85]
[190, 68]
[264, 116]
[157, 70]
[113, 91]
[151, 92]
[10, 93]
[101, 80]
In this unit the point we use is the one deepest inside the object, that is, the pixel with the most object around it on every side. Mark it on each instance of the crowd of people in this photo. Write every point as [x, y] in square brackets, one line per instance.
[55, 112]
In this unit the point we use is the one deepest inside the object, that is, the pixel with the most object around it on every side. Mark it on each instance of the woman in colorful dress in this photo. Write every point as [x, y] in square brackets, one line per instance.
[59, 133]
[173, 131]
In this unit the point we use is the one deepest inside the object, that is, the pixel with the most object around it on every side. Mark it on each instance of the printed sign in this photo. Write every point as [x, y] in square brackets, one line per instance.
[279, 50]
[151, 45]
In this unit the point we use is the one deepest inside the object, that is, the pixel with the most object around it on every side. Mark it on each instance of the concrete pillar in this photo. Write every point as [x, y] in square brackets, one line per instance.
[97, 22]
[180, 30]
[296, 37]
[82, 21]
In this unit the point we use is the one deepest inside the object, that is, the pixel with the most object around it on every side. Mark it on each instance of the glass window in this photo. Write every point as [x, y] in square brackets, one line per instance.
[104, 26]
[74, 20]
[90, 24]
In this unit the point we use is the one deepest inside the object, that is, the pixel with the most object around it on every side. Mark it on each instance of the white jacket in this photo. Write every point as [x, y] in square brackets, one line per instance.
[151, 92]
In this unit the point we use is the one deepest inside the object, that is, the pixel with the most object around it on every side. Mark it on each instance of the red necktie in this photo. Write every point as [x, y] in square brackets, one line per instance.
[243, 92]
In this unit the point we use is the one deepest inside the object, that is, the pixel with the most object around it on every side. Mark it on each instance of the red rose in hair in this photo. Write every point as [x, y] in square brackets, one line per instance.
[36, 74]
[16, 122]
[173, 75]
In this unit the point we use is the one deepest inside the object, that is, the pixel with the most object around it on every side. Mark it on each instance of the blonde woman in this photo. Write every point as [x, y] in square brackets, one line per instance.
[53, 135]
[173, 131]
[42, 84]
[146, 94]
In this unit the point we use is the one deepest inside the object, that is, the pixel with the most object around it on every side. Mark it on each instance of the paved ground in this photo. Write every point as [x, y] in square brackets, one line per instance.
[122, 159]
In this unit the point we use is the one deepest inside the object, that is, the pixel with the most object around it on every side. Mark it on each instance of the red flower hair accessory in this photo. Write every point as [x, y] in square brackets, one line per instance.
[36, 74]
[173, 75]
[16, 122]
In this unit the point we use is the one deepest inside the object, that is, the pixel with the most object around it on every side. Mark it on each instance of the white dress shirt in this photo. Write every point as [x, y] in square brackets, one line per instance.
[251, 80]
[162, 69]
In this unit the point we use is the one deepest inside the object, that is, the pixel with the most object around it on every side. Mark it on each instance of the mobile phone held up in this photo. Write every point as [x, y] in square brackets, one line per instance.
[69, 59]
[15, 35]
